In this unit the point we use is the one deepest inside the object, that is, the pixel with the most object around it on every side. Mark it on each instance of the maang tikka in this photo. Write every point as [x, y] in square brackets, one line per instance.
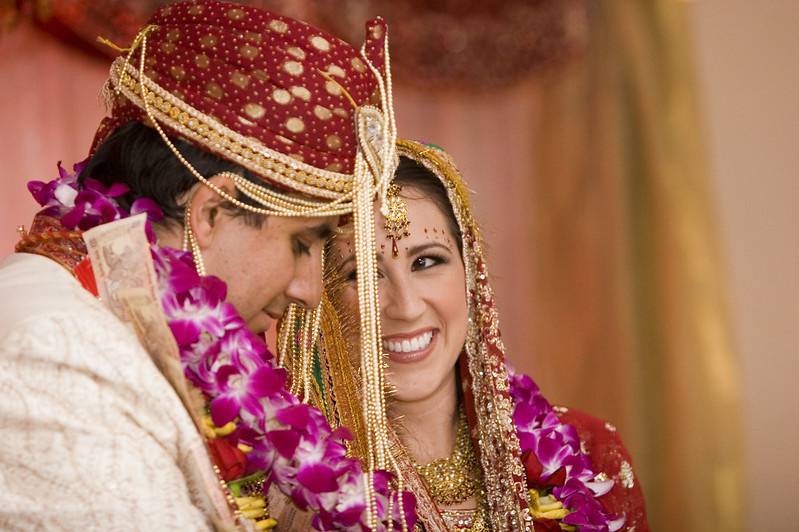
[397, 222]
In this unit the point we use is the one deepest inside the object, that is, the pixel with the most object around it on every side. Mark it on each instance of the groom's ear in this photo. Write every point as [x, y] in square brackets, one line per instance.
[206, 209]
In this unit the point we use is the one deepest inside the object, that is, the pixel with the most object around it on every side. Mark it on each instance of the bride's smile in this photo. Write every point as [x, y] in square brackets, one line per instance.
[411, 347]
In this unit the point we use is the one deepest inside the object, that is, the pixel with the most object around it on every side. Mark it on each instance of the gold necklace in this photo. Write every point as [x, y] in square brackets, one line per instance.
[456, 478]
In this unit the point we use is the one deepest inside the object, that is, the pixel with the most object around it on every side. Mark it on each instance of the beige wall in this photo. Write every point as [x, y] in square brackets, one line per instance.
[750, 71]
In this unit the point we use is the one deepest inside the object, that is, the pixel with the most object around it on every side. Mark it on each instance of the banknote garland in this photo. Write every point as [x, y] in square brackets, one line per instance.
[260, 434]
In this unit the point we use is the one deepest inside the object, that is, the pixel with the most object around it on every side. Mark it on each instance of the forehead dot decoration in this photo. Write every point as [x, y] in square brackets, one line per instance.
[397, 222]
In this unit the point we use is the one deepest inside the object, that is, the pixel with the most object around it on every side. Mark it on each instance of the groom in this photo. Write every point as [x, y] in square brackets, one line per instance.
[240, 114]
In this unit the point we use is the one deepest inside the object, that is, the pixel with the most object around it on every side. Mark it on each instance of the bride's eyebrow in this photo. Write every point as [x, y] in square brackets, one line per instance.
[415, 250]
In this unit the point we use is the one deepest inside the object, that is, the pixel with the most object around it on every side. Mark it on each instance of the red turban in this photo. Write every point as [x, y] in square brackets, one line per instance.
[272, 94]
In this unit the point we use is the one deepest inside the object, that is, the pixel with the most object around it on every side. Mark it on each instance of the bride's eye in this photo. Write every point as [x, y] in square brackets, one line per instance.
[353, 275]
[426, 261]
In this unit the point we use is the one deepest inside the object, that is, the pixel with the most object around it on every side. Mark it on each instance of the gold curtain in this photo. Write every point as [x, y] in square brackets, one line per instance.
[629, 270]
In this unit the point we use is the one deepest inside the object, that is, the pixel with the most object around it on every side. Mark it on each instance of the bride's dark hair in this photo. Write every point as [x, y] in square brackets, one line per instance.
[411, 174]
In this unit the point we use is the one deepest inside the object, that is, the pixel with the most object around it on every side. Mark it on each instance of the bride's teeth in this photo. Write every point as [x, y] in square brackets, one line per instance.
[408, 346]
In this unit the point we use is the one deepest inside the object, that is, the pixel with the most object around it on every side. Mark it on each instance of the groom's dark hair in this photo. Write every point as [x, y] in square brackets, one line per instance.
[136, 155]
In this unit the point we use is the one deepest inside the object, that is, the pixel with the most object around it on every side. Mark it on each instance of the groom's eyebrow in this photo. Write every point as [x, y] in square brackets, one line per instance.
[322, 231]
[347, 261]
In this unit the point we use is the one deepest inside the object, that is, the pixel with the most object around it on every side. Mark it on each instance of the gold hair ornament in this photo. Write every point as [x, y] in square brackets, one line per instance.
[396, 222]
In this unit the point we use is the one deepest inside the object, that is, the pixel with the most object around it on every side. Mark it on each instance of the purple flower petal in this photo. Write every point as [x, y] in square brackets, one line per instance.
[285, 441]
[78, 167]
[116, 190]
[267, 381]
[149, 206]
[71, 219]
[62, 173]
[224, 409]
[297, 416]
[318, 478]
[186, 332]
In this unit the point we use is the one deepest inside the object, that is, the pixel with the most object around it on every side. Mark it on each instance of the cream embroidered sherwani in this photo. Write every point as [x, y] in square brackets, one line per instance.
[92, 436]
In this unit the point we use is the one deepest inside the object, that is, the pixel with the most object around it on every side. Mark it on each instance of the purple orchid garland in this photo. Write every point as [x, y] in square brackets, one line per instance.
[556, 445]
[290, 440]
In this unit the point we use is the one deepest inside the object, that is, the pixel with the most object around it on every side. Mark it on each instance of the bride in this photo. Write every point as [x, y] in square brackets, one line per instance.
[477, 444]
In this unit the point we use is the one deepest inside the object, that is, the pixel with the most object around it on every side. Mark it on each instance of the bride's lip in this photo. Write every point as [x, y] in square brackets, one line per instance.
[412, 356]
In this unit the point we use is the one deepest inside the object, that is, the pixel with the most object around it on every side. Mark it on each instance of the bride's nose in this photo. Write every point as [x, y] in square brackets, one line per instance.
[401, 299]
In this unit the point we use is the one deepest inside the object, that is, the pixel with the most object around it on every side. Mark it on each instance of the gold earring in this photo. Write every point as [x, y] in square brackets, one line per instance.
[190, 242]
[397, 221]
